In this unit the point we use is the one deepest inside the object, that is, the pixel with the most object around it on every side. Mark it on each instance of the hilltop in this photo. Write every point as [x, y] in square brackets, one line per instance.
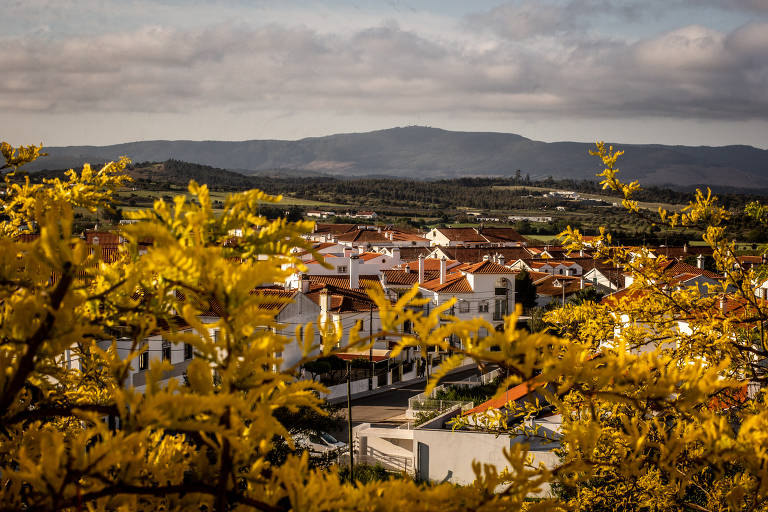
[431, 153]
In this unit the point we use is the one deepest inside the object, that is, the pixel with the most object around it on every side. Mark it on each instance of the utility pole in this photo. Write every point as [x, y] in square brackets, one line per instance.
[370, 350]
[349, 423]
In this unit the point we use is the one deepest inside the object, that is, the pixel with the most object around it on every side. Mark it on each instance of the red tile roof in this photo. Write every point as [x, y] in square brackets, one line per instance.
[342, 280]
[475, 254]
[334, 229]
[511, 395]
[430, 264]
[397, 276]
[499, 235]
[454, 283]
[461, 234]
[343, 300]
[487, 267]
[546, 286]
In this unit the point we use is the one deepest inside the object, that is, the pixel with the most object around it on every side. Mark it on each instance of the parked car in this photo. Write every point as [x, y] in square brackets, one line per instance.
[319, 443]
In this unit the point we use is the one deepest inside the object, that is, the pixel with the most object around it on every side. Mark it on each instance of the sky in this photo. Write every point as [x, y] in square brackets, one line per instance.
[95, 72]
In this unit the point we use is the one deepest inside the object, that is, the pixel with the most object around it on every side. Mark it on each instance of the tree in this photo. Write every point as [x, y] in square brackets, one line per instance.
[525, 290]
[666, 428]
[588, 294]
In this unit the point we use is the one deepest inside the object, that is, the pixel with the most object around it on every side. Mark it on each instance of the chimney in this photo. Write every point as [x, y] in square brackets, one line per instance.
[395, 255]
[325, 302]
[685, 247]
[304, 283]
[581, 283]
[379, 229]
[354, 271]
[407, 269]
[581, 253]
[700, 261]
[442, 270]
[360, 249]
[501, 259]
[722, 303]
[421, 268]
[486, 257]
[347, 252]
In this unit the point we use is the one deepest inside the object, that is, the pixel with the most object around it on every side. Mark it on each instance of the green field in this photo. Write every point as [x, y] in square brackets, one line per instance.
[610, 199]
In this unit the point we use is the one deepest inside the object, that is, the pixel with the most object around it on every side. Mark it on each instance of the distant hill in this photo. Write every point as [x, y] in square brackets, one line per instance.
[430, 153]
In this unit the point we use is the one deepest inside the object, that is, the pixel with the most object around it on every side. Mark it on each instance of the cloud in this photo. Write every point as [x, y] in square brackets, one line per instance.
[551, 67]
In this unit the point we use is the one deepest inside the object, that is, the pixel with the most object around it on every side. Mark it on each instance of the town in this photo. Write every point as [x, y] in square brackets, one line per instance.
[482, 272]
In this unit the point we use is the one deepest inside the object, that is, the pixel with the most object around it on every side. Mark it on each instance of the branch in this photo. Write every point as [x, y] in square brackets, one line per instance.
[27, 361]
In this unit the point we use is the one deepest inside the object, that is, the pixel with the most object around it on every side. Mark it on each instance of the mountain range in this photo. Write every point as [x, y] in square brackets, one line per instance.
[432, 153]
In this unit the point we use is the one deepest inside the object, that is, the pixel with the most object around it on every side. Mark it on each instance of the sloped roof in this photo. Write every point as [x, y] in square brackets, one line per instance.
[398, 276]
[342, 280]
[475, 254]
[487, 267]
[412, 253]
[334, 229]
[343, 300]
[461, 234]
[363, 235]
[502, 235]
[675, 267]
[429, 264]
[511, 395]
[546, 286]
[454, 283]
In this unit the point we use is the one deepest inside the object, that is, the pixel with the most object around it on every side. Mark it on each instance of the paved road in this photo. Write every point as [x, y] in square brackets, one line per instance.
[388, 408]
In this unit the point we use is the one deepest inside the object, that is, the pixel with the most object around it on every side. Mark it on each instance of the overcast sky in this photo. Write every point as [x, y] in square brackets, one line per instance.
[108, 71]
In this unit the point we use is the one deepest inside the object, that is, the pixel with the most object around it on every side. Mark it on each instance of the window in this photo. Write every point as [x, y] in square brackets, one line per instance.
[463, 307]
[189, 353]
[408, 327]
[144, 361]
[166, 350]
[342, 269]
[483, 307]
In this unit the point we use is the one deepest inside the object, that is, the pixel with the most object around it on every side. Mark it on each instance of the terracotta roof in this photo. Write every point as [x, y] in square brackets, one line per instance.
[406, 237]
[334, 229]
[475, 254]
[343, 300]
[511, 395]
[454, 283]
[546, 287]
[368, 256]
[430, 264]
[105, 237]
[487, 267]
[27, 237]
[342, 280]
[502, 235]
[398, 276]
[412, 253]
[461, 234]
[363, 235]
[674, 268]
[682, 251]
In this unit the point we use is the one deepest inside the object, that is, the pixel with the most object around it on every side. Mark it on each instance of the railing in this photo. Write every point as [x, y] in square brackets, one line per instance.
[478, 380]
[372, 456]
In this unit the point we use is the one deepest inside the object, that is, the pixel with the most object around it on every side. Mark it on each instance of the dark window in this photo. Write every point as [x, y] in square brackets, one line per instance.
[144, 361]
[188, 351]
[166, 350]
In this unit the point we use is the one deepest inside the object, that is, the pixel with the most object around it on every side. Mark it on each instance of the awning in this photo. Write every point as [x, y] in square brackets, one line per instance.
[379, 354]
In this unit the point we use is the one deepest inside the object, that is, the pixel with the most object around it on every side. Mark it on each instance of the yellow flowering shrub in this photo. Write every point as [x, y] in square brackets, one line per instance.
[657, 429]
